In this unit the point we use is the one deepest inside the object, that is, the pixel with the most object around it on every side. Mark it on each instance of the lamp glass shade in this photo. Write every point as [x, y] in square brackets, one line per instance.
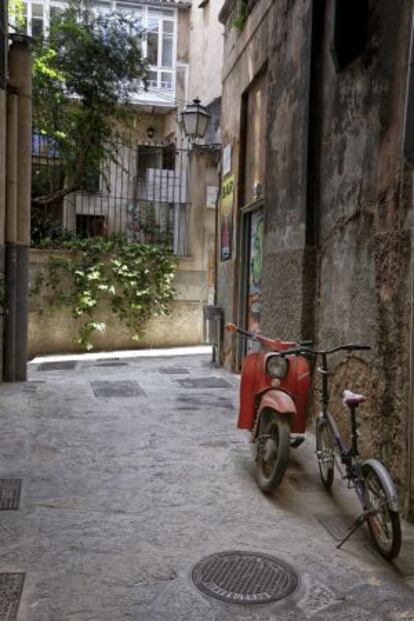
[195, 119]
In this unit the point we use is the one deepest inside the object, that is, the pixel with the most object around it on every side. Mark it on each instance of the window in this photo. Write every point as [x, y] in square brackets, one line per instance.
[160, 47]
[350, 31]
[90, 225]
[160, 24]
[37, 15]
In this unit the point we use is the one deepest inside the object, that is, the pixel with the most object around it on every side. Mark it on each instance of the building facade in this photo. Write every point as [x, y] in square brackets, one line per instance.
[315, 237]
[162, 185]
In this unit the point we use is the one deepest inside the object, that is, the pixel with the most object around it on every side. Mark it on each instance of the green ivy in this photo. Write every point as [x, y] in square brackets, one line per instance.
[240, 16]
[137, 279]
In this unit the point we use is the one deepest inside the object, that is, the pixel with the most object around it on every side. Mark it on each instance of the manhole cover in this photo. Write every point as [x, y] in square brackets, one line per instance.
[63, 365]
[244, 577]
[203, 382]
[11, 586]
[10, 494]
[174, 371]
[115, 390]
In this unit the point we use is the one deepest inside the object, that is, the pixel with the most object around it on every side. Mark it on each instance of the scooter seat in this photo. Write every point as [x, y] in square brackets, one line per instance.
[352, 399]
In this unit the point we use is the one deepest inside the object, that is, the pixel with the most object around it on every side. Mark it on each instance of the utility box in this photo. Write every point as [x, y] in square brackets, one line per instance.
[213, 324]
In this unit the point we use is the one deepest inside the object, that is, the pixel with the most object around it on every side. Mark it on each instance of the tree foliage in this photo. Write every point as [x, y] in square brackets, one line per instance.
[84, 72]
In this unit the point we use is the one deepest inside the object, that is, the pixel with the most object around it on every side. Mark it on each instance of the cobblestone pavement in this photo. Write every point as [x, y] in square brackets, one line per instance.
[122, 495]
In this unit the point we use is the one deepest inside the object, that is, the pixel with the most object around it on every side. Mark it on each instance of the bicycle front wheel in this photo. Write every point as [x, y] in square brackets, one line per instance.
[325, 446]
[383, 522]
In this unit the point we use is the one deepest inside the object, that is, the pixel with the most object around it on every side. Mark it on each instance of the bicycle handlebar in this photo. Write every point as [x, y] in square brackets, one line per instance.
[302, 348]
[324, 352]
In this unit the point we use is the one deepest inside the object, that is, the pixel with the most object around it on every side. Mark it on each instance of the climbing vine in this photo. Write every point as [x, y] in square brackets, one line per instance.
[136, 279]
[240, 16]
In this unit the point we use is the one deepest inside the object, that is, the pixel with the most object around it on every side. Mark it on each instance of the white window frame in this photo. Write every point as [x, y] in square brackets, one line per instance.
[147, 12]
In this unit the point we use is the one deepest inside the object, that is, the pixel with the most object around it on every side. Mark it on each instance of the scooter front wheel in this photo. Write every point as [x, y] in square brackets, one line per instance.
[272, 450]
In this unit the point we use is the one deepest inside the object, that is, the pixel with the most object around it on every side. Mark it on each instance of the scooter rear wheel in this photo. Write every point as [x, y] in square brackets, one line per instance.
[273, 450]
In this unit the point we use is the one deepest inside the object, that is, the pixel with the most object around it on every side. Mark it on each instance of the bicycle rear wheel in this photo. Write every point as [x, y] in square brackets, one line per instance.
[325, 446]
[383, 523]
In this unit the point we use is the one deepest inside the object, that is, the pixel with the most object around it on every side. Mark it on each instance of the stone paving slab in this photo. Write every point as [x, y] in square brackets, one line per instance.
[122, 497]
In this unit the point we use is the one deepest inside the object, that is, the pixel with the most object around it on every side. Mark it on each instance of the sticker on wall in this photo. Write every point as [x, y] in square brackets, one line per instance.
[226, 160]
[226, 218]
[211, 196]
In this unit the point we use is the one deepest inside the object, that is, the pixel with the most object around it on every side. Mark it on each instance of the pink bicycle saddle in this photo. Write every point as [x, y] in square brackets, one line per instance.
[351, 399]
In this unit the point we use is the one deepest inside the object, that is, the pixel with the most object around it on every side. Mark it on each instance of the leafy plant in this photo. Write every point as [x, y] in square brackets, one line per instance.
[241, 15]
[137, 280]
[16, 13]
[84, 72]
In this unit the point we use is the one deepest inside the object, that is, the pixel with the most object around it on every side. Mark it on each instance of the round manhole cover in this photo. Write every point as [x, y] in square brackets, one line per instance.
[244, 577]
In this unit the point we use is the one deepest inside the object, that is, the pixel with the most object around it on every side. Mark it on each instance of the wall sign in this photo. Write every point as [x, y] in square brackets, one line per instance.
[226, 218]
[212, 194]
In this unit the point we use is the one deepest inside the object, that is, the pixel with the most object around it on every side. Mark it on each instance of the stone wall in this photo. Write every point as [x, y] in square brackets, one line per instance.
[362, 206]
[337, 205]
[52, 328]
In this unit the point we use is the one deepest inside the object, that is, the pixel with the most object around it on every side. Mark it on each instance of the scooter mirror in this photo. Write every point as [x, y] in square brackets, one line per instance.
[231, 327]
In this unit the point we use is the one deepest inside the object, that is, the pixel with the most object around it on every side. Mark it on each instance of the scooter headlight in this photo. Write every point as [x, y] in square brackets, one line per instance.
[276, 366]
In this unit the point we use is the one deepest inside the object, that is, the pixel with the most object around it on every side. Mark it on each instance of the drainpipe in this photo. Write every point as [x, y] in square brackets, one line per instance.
[408, 152]
[20, 71]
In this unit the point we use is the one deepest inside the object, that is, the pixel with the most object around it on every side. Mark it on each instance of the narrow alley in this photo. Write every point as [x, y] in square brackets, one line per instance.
[132, 471]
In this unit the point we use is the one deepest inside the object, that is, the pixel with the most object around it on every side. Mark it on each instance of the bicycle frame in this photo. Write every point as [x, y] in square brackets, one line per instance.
[358, 471]
[349, 455]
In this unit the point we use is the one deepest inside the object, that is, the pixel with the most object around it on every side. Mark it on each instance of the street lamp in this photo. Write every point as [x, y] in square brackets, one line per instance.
[195, 119]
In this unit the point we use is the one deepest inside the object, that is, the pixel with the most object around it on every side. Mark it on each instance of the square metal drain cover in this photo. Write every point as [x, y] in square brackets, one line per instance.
[10, 494]
[203, 382]
[337, 525]
[112, 364]
[11, 587]
[63, 365]
[174, 371]
[115, 390]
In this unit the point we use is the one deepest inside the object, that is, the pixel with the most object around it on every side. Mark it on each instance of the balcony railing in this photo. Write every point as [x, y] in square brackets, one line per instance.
[143, 195]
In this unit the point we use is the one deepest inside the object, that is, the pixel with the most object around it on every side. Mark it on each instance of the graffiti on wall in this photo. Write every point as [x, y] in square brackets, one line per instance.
[255, 271]
[226, 218]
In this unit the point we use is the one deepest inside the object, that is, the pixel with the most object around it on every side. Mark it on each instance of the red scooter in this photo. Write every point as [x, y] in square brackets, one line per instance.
[273, 398]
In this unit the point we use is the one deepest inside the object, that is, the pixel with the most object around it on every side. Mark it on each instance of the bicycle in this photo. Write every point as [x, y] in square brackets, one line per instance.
[369, 478]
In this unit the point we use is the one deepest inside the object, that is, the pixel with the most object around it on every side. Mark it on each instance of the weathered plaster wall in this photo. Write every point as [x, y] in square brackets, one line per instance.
[206, 51]
[338, 199]
[52, 328]
[245, 56]
[286, 269]
[363, 205]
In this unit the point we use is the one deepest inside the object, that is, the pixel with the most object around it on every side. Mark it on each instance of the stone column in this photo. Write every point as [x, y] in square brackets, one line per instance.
[3, 73]
[20, 77]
